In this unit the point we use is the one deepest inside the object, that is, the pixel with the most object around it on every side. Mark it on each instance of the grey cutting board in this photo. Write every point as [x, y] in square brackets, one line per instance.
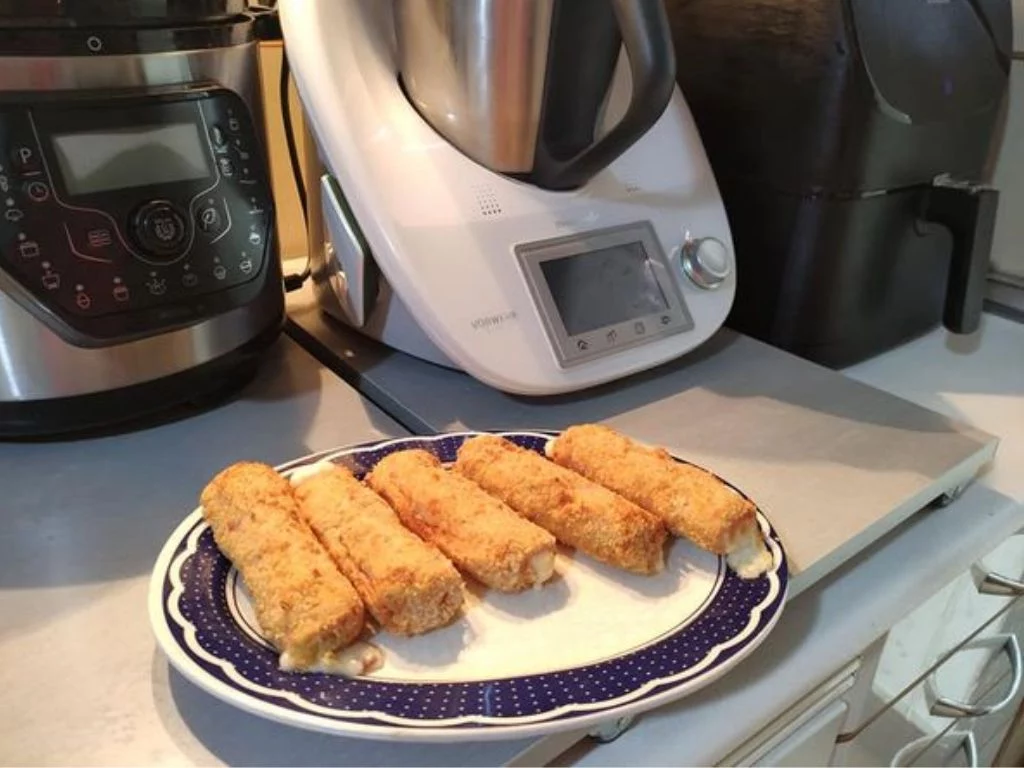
[834, 464]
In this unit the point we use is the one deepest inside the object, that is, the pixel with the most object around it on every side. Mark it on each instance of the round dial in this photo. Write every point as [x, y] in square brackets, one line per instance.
[160, 229]
[706, 262]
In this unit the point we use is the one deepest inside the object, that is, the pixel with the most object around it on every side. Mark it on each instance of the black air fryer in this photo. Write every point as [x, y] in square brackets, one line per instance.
[850, 139]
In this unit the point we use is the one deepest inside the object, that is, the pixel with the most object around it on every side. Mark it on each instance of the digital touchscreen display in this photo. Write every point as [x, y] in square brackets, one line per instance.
[605, 287]
[137, 156]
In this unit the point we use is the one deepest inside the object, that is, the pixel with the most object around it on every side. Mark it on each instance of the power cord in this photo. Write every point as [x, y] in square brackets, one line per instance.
[294, 281]
[268, 27]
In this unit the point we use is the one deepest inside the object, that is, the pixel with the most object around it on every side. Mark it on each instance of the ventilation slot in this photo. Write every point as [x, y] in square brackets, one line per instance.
[487, 201]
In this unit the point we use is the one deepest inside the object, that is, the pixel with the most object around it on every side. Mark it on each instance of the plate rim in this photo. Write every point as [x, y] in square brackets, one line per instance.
[577, 717]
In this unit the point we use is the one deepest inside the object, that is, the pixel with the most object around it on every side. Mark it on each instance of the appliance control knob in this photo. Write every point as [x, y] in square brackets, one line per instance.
[706, 262]
[160, 229]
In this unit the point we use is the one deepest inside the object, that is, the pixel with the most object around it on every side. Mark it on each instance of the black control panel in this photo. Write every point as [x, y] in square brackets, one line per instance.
[121, 215]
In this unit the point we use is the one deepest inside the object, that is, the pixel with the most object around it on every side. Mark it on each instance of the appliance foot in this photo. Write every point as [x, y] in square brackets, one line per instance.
[611, 730]
[951, 495]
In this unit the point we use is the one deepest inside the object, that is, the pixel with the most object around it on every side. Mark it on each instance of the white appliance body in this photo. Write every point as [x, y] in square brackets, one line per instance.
[463, 286]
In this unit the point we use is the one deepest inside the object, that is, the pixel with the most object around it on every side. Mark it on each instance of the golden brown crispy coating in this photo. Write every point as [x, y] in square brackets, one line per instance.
[407, 584]
[691, 502]
[577, 511]
[306, 607]
[478, 532]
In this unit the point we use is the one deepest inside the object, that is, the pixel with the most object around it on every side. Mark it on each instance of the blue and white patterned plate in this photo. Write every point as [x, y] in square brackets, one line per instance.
[593, 645]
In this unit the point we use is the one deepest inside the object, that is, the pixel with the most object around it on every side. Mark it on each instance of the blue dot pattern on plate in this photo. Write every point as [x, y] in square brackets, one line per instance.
[203, 605]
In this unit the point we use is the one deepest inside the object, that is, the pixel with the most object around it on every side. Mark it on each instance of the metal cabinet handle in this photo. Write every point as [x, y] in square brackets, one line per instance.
[970, 747]
[917, 747]
[989, 583]
[943, 706]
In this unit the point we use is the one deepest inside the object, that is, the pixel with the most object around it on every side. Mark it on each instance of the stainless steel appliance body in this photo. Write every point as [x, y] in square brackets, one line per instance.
[96, 324]
[519, 86]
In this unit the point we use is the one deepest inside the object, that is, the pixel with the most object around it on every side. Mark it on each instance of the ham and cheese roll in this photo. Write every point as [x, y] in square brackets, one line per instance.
[577, 511]
[408, 586]
[690, 501]
[308, 610]
[478, 532]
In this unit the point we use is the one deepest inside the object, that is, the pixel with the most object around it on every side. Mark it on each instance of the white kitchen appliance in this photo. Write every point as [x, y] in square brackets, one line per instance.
[531, 290]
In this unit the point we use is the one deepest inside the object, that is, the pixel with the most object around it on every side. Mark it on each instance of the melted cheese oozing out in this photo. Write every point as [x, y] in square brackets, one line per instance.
[543, 566]
[360, 658]
[549, 448]
[748, 556]
[303, 473]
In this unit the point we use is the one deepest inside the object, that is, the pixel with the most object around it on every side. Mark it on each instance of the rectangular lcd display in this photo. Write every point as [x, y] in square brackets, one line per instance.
[604, 287]
[134, 156]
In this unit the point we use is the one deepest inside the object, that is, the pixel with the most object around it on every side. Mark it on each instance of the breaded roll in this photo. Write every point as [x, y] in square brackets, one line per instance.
[690, 501]
[408, 586]
[307, 608]
[577, 511]
[478, 532]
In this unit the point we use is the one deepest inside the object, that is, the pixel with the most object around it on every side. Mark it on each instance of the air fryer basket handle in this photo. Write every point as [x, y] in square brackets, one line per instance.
[647, 38]
[969, 213]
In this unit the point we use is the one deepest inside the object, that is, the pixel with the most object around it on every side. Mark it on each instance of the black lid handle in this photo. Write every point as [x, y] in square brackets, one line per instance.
[969, 213]
[647, 38]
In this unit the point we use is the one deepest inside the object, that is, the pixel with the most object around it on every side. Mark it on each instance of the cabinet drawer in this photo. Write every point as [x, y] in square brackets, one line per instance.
[927, 637]
[806, 733]
[813, 743]
[935, 721]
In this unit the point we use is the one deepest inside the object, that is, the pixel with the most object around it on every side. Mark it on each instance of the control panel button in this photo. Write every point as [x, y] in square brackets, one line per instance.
[99, 238]
[706, 262]
[157, 286]
[37, 191]
[227, 168]
[160, 229]
[217, 136]
[26, 160]
[28, 249]
[209, 219]
[121, 293]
